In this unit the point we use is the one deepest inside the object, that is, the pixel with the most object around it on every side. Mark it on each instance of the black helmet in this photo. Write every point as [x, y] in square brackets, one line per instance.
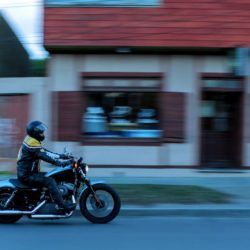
[36, 130]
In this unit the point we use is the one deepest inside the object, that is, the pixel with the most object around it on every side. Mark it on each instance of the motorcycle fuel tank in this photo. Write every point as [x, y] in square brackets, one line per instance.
[61, 174]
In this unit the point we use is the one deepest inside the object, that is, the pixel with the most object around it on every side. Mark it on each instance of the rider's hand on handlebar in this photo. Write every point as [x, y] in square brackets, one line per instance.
[67, 162]
[66, 156]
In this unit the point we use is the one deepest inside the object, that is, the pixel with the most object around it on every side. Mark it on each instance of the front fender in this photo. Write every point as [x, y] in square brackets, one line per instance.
[86, 187]
[6, 184]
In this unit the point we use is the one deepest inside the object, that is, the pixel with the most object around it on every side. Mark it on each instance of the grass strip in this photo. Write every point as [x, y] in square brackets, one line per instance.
[4, 173]
[148, 194]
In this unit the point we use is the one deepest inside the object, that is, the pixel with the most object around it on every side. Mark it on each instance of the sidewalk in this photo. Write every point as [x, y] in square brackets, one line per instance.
[235, 182]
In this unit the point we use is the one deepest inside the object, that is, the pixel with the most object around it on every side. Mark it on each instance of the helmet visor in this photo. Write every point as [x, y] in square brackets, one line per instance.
[41, 128]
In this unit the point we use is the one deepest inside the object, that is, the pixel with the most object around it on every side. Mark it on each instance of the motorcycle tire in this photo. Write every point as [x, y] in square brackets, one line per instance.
[7, 219]
[93, 211]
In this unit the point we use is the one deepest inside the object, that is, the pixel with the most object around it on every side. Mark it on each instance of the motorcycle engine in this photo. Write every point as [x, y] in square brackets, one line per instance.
[66, 189]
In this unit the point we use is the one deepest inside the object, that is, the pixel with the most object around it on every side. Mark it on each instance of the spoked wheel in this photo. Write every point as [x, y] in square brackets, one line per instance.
[102, 208]
[7, 219]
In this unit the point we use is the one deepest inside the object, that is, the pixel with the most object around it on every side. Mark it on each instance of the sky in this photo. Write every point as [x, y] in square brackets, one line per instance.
[25, 17]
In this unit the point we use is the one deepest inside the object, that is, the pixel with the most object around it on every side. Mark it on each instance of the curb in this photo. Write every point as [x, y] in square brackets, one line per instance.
[235, 210]
[187, 212]
[181, 212]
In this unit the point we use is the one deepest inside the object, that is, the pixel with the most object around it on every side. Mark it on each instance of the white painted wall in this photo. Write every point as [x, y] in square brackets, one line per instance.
[122, 155]
[215, 64]
[111, 155]
[63, 74]
[181, 75]
[64, 70]
[121, 63]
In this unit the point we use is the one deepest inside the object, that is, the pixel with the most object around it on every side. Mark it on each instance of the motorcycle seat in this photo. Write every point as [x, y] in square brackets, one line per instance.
[20, 185]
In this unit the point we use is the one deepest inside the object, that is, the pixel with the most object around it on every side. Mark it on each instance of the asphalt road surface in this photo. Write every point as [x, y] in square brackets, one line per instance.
[128, 233]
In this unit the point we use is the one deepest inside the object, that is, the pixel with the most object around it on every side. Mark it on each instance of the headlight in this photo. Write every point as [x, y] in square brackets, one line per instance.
[84, 167]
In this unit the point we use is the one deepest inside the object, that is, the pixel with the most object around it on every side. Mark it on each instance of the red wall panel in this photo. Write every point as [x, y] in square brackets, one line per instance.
[14, 115]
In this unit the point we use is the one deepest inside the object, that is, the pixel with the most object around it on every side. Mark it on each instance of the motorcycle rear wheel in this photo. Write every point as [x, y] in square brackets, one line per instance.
[7, 219]
[102, 212]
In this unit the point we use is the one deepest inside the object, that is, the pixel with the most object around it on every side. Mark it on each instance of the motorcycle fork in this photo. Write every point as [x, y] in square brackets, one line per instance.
[97, 200]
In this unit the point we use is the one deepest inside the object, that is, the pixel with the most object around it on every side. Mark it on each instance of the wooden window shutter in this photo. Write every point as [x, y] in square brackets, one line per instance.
[69, 115]
[247, 117]
[173, 116]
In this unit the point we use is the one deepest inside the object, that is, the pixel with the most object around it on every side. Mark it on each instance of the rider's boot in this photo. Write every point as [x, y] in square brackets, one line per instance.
[61, 204]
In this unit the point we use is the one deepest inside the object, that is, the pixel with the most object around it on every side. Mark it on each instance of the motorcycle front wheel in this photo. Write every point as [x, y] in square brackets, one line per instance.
[7, 219]
[105, 209]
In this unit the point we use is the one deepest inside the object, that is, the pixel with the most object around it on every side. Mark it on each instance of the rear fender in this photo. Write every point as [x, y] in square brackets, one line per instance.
[6, 184]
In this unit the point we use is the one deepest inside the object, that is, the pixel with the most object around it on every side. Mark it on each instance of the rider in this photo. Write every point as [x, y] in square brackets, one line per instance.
[28, 163]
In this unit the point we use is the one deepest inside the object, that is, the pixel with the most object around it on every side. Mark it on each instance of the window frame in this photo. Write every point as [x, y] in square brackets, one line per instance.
[221, 77]
[137, 4]
[122, 75]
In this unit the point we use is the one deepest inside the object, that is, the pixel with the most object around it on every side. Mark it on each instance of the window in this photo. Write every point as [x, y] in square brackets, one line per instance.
[222, 83]
[121, 107]
[140, 113]
[102, 2]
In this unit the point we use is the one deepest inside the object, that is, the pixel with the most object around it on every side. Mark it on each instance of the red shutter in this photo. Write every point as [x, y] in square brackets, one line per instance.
[15, 108]
[69, 108]
[247, 117]
[173, 116]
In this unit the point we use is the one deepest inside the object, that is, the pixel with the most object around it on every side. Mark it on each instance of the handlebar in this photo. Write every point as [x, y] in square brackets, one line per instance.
[79, 161]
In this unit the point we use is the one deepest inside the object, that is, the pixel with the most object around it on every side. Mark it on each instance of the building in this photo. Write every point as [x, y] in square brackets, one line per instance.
[21, 97]
[150, 83]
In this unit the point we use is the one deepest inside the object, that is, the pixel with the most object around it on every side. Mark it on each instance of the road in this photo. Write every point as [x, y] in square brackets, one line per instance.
[140, 233]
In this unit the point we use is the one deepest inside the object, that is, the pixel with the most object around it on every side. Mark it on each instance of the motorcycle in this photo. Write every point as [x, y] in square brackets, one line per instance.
[98, 202]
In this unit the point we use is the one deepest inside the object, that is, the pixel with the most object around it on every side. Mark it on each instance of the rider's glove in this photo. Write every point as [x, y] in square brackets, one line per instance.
[67, 162]
[66, 156]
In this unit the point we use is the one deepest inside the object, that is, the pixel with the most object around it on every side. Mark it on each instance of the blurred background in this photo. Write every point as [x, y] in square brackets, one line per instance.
[138, 84]
[152, 93]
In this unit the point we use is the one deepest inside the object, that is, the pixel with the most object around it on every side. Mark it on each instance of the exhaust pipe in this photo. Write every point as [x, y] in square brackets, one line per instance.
[50, 216]
[19, 212]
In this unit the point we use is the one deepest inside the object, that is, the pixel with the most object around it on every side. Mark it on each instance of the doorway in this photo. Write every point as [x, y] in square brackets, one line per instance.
[221, 133]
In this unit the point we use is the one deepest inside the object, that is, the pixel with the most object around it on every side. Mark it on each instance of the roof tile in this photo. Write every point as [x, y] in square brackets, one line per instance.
[196, 23]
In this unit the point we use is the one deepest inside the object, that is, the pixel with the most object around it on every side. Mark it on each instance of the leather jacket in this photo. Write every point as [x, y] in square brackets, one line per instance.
[31, 153]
